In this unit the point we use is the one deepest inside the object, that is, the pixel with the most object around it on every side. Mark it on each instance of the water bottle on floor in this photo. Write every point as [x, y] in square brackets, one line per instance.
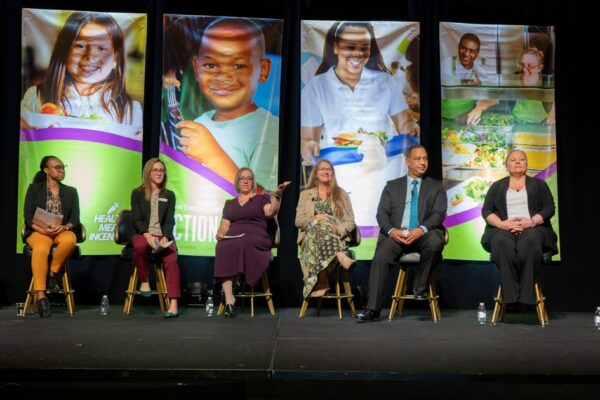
[481, 314]
[104, 305]
[597, 318]
[209, 304]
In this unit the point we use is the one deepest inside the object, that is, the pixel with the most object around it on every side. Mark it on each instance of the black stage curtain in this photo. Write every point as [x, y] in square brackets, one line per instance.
[569, 285]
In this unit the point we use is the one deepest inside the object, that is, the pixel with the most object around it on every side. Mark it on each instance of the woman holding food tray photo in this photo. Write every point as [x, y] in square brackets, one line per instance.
[353, 114]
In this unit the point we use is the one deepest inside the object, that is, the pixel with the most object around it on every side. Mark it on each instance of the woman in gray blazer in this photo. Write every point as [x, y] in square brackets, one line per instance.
[324, 216]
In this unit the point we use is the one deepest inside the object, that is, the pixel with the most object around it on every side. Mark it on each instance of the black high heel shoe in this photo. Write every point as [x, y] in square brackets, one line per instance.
[229, 311]
[43, 306]
[53, 285]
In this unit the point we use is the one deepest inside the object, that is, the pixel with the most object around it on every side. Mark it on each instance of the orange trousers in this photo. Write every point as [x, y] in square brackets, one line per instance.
[41, 245]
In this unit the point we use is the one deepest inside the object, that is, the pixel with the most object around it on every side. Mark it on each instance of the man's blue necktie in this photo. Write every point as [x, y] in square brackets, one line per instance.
[414, 206]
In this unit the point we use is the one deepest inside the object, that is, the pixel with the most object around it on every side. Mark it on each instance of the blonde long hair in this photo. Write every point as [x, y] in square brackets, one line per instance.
[333, 190]
[146, 185]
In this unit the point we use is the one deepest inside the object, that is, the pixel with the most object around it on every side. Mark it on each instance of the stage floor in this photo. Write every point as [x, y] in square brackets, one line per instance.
[147, 349]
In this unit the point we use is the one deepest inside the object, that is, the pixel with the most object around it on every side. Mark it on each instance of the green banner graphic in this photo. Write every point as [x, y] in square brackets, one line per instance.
[83, 81]
[497, 95]
[221, 85]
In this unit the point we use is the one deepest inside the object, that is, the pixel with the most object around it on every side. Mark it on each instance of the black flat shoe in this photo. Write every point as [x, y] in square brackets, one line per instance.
[43, 306]
[229, 311]
[53, 285]
[420, 295]
[368, 316]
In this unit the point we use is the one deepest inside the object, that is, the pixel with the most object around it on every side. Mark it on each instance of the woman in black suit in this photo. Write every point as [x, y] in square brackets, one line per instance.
[48, 193]
[153, 213]
[517, 210]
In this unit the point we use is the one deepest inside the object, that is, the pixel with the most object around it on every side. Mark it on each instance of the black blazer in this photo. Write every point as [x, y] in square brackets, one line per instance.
[69, 200]
[539, 201]
[140, 211]
[432, 205]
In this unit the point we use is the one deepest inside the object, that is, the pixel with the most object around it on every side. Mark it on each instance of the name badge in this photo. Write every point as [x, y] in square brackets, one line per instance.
[163, 199]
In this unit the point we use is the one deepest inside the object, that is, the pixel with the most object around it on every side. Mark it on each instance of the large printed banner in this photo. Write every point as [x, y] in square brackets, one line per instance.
[220, 112]
[360, 108]
[497, 95]
[83, 88]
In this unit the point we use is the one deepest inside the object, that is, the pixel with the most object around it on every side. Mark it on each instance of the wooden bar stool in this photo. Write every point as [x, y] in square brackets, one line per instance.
[340, 274]
[400, 295]
[274, 232]
[123, 234]
[161, 289]
[400, 291]
[343, 275]
[67, 288]
[251, 294]
[540, 305]
[540, 300]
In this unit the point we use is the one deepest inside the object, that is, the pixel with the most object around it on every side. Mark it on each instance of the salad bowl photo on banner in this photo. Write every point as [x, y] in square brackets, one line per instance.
[497, 96]
[82, 101]
[220, 113]
[359, 108]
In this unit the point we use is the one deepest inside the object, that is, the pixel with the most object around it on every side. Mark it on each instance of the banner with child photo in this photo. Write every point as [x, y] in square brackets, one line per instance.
[359, 109]
[220, 113]
[497, 89]
[82, 100]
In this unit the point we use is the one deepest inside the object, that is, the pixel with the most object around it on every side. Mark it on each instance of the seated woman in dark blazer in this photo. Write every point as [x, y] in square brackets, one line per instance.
[48, 193]
[153, 214]
[517, 210]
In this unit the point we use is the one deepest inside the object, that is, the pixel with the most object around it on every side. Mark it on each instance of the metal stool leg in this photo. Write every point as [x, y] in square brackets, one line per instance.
[498, 306]
[348, 290]
[68, 291]
[397, 294]
[30, 298]
[161, 287]
[268, 295]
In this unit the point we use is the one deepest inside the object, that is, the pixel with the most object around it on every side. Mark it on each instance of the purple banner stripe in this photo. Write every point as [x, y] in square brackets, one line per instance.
[368, 231]
[198, 168]
[462, 217]
[466, 216]
[84, 135]
[548, 172]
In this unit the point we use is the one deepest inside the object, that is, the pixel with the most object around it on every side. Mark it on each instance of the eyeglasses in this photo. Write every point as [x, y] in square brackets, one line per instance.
[528, 67]
[59, 167]
[245, 178]
[325, 169]
[159, 171]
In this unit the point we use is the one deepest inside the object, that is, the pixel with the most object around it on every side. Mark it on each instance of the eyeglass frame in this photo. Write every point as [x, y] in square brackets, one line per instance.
[528, 67]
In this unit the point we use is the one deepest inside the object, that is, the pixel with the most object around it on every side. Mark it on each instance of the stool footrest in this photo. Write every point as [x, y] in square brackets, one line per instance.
[412, 297]
[255, 294]
[154, 292]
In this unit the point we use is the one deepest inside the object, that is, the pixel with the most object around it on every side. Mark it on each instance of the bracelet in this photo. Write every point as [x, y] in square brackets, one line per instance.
[277, 196]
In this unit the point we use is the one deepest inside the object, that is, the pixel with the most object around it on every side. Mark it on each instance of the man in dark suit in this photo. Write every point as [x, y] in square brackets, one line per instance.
[410, 216]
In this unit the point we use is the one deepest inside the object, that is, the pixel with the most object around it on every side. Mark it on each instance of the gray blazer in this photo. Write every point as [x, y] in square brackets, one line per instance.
[432, 205]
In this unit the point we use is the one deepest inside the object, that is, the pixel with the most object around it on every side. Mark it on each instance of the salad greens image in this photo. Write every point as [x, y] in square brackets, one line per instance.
[477, 190]
[496, 119]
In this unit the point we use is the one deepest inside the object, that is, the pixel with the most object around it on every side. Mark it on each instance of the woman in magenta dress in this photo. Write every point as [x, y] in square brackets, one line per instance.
[244, 238]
